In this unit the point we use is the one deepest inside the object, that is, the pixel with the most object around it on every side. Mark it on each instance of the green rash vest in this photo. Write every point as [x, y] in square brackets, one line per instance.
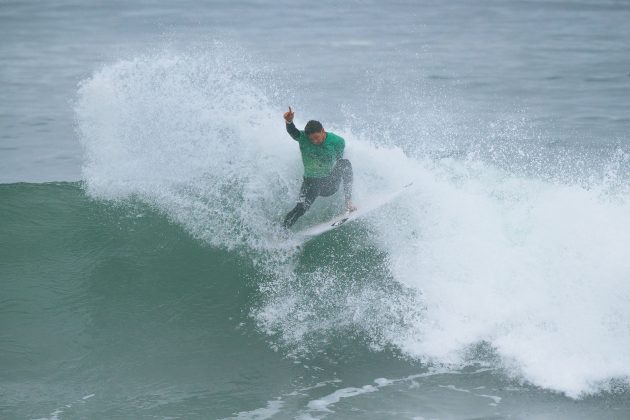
[319, 160]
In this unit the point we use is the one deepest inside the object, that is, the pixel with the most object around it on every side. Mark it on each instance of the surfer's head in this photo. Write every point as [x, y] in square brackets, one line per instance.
[315, 132]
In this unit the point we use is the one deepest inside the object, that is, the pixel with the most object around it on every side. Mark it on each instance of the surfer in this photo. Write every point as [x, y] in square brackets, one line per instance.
[324, 166]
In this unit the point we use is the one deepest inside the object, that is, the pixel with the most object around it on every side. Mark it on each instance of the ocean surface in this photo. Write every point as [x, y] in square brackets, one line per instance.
[145, 168]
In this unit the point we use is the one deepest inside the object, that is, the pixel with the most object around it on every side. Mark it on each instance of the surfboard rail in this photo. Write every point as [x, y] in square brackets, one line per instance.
[344, 218]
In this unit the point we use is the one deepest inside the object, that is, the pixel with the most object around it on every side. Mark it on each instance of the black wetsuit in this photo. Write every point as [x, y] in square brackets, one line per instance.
[314, 160]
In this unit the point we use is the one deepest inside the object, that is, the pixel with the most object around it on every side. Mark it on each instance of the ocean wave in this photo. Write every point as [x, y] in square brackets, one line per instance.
[483, 251]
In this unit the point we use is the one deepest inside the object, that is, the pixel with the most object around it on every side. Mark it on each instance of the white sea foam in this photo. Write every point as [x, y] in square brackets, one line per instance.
[192, 134]
[270, 410]
[535, 270]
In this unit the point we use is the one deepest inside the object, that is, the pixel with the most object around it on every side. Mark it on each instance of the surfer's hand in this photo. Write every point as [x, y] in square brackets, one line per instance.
[288, 116]
[350, 207]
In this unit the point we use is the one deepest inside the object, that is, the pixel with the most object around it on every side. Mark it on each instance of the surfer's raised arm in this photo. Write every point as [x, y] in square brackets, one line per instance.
[291, 128]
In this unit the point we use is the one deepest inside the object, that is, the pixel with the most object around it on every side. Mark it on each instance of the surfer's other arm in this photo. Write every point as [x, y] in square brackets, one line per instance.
[291, 128]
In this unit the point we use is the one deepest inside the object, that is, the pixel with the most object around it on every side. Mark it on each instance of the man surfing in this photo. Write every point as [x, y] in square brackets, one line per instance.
[324, 166]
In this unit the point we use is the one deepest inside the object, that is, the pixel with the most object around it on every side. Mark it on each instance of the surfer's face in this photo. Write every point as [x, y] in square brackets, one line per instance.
[317, 138]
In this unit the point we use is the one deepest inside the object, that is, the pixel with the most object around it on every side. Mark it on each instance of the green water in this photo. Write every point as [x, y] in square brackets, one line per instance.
[120, 303]
[111, 311]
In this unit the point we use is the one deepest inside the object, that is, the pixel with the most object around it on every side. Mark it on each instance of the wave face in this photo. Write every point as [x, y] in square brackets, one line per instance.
[502, 253]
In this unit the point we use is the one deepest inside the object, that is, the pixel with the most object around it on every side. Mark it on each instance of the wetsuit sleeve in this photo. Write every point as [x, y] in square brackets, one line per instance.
[293, 131]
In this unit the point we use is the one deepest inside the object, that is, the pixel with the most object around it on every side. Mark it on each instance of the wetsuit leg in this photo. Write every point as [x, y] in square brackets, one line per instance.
[342, 171]
[308, 192]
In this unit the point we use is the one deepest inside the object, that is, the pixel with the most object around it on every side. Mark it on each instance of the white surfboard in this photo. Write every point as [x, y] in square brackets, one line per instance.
[362, 210]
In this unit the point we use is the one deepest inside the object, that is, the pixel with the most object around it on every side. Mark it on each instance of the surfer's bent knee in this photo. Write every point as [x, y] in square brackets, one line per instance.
[344, 164]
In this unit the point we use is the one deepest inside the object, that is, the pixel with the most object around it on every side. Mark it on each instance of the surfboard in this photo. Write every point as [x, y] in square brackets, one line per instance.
[365, 208]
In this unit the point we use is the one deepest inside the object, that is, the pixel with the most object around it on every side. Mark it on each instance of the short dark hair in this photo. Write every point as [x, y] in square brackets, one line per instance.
[313, 127]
